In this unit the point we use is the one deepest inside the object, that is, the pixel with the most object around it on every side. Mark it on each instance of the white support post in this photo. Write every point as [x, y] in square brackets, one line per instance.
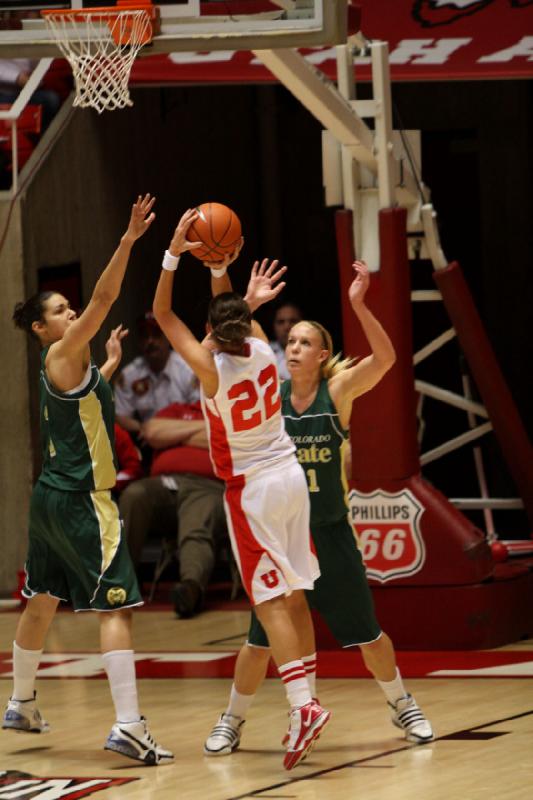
[351, 179]
[322, 99]
[332, 170]
[383, 137]
[434, 345]
[431, 233]
[480, 466]
[426, 296]
[14, 157]
[454, 444]
[29, 88]
[13, 113]
[345, 78]
[453, 399]
[340, 116]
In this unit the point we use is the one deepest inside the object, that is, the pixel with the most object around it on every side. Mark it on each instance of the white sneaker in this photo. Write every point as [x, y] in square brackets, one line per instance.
[134, 740]
[407, 715]
[225, 736]
[21, 715]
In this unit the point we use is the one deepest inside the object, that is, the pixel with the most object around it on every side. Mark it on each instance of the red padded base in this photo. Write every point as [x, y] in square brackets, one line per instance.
[481, 615]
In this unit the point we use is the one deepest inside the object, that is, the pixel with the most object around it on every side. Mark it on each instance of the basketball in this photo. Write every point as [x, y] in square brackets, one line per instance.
[218, 228]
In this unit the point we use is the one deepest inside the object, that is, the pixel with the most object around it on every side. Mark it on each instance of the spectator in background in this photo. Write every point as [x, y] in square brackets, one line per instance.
[153, 380]
[285, 317]
[14, 75]
[181, 496]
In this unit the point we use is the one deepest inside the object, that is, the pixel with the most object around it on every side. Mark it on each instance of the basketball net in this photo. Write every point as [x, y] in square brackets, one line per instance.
[101, 46]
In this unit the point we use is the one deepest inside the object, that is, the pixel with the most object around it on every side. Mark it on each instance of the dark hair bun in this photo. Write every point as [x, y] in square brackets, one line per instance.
[25, 314]
[20, 316]
[234, 331]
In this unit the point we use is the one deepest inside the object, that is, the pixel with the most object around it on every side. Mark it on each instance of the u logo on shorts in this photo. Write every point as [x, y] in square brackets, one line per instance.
[270, 578]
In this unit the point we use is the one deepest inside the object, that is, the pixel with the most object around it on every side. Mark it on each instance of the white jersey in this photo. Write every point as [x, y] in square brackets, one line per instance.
[245, 428]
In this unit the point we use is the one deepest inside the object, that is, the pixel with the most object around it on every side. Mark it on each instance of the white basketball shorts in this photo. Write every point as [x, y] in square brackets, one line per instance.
[268, 523]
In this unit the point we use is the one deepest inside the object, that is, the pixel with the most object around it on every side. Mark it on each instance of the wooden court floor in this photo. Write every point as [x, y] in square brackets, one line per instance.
[483, 724]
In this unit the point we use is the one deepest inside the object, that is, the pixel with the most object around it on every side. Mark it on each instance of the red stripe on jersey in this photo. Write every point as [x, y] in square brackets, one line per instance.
[218, 446]
[249, 549]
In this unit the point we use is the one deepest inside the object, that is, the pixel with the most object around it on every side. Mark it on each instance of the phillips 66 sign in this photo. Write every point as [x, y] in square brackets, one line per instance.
[387, 528]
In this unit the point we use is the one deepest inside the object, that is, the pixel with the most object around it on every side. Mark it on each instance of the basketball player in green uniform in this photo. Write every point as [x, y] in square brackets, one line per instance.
[317, 405]
[76, 549]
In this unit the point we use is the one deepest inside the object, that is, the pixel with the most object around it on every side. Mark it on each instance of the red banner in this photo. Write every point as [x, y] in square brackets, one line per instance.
[428, 40]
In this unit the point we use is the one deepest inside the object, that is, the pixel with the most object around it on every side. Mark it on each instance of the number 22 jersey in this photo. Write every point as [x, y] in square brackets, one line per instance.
[245, 427]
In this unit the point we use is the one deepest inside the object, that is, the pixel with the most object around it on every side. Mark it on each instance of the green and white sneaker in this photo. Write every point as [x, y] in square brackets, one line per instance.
[407, 716]
[225, 736]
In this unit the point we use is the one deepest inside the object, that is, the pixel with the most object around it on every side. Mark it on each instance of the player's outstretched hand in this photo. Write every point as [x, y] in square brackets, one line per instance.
[263, 285]
[179, 243]
[113, 346]
[141, 217]
[228, 259]
[360, 284]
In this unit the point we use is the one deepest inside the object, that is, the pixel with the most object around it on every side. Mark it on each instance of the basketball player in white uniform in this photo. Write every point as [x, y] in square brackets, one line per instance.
[266, 499]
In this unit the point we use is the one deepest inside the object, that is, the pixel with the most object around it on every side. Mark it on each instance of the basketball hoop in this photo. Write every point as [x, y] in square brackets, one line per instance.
[101, 45]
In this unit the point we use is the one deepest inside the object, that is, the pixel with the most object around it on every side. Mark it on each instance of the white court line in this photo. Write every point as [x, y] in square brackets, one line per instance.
[87, 665]
[522, 669]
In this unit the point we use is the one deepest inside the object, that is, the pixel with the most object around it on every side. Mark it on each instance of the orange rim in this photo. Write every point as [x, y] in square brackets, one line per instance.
[110, 11]
[110, 14]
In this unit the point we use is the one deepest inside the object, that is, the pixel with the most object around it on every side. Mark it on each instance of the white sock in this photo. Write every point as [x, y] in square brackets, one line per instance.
[394, 690]
[310, 671]
[239, 703]
[25, 666]
[295, 681]
[120, 668]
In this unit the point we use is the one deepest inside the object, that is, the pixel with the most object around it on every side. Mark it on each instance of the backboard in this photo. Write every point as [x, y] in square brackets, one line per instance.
[192, 25]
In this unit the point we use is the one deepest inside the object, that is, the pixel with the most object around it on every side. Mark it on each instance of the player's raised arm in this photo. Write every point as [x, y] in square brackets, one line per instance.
[263, 285]
[352, 382]
[262, 289]
[199, 358]
[108, 285]
[113, 348]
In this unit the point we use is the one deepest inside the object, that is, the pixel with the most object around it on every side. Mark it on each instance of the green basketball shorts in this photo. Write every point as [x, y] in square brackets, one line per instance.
[77, 551]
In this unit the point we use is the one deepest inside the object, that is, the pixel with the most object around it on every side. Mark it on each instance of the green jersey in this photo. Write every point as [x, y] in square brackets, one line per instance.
[320, 443]
[77, 434]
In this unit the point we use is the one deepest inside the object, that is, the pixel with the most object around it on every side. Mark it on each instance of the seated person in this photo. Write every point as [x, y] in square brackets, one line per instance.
[286, 315]
[14, 75]
[181, 492]
[153, 380]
